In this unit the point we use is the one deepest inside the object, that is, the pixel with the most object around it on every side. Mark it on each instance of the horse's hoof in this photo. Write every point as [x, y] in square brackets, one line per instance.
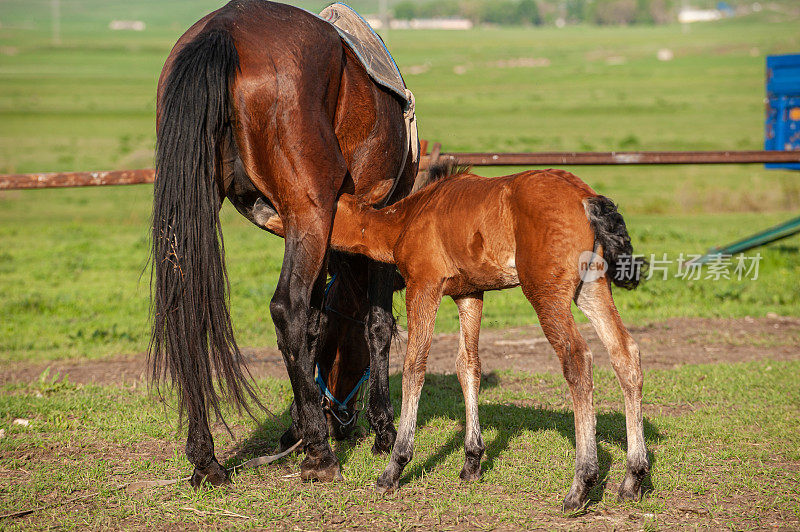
[384, 443]
[469, 474]
[629, 496]
[214, 475]
[379, 450]
[575, 501]
[572, 506]
[630, 489]
[324, 470]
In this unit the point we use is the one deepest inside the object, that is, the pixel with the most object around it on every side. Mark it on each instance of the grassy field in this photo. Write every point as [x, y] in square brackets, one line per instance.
[74, 282]
[723, 439]
[89, 103]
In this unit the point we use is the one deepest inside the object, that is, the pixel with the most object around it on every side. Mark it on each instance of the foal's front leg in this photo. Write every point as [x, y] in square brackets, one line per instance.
[421, 306]
[379, 338]
[468, 367]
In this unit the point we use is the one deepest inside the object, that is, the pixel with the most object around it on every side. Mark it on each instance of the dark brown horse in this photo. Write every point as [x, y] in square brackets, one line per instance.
[262, 103]
[467, 234]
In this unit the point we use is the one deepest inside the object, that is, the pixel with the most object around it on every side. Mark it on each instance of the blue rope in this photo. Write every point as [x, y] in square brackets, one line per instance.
[328, 286]
[342, 406]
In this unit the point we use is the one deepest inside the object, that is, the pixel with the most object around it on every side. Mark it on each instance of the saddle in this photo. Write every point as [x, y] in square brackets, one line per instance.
[368, 47]
[359, 36]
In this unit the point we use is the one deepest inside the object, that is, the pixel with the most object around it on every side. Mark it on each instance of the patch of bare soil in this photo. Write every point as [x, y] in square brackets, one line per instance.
[664, 345]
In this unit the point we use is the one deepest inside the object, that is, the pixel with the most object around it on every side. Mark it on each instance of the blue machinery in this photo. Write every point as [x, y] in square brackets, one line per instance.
[782, 133]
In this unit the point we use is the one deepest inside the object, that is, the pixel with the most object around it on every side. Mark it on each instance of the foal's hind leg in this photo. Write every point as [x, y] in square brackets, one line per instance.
[421, 305]
[552, 305]
[596, 303]
[468, 367]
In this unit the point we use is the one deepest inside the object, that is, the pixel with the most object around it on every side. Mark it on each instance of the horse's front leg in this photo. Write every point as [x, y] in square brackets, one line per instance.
[380, 325]
[296, 310]
[421, 306]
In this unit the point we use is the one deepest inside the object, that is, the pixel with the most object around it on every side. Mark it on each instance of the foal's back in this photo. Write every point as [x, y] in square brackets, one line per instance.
[477, 233]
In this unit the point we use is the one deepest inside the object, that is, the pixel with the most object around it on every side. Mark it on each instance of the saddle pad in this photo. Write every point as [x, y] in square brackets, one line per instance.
[368, 47]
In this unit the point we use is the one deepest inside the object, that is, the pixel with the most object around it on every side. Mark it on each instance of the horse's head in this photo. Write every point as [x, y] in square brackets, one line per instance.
[343, 365]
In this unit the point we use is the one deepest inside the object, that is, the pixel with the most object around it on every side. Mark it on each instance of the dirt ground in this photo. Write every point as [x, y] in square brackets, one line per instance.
[664, 345]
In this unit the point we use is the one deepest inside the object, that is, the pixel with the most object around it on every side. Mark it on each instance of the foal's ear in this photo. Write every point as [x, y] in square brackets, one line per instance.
[379, 192]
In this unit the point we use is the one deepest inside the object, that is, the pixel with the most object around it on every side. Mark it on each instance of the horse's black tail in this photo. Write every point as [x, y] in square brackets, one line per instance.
[192, 339]
[624, 268]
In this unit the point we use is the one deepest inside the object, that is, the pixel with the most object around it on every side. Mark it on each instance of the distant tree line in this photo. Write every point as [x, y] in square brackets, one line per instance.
[478, 11]
[536, 12]
[607, 12]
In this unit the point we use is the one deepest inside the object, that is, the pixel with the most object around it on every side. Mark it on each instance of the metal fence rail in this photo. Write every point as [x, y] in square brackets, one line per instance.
[76, 179]
[134, 177]
[625, 158]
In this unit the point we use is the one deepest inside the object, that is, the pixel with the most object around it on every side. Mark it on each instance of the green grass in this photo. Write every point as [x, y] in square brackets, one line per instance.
[720, 439]
[74, 282]
[74, 262]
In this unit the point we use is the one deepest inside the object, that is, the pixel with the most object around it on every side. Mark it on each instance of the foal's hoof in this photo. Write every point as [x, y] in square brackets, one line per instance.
[469, 474]
[573, 504]
[385, 486]
[629, 495]
[321, 470]
[214, 475]
[576, 499]
[631, 487]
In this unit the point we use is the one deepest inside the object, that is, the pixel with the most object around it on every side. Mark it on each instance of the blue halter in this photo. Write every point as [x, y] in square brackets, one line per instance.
[341, 406]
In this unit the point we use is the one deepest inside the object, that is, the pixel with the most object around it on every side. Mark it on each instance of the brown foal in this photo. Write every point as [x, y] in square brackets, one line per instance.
[466, 234]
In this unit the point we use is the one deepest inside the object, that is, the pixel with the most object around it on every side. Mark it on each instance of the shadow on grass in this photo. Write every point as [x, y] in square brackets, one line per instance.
[442, 398]
[509, 421]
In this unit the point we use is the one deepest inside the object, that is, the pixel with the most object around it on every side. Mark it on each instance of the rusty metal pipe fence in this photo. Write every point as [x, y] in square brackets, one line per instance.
[135, 177]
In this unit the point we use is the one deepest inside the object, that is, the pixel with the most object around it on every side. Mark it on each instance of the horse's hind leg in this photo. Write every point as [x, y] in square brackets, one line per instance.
[200, 452]
[303, 189]
[421, 305]
[468, 367]
[297, 314]
[596, 303]
[553, 308]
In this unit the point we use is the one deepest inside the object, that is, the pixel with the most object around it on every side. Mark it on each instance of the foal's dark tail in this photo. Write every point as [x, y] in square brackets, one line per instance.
[624, 269]
[192, 338]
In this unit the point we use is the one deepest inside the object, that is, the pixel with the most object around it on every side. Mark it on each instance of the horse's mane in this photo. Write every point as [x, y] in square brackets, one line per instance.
[440, 170]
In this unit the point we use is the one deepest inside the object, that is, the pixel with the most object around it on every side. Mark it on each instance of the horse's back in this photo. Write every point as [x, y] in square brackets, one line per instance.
[550, 194]
[478, 230]
[538, 193]
[268, 32]
[271, 30]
